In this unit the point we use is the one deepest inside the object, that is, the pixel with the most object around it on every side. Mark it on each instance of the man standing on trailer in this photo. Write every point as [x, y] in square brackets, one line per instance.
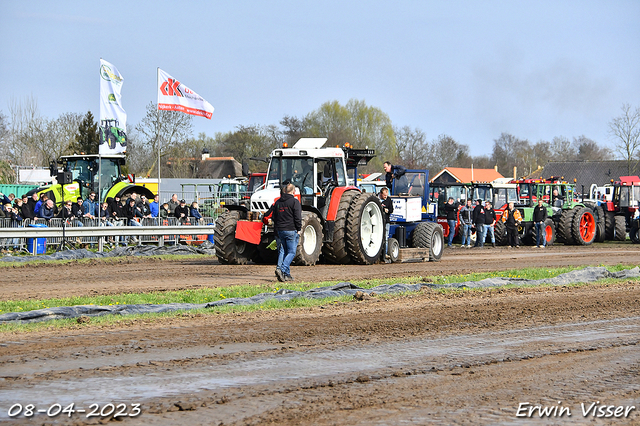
[286, 214]
[393, 172]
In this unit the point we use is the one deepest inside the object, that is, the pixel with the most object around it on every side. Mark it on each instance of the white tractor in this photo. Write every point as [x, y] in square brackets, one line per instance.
[339, 222]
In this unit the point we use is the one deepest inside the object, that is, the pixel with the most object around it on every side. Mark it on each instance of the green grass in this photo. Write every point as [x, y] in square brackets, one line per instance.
[206, 295]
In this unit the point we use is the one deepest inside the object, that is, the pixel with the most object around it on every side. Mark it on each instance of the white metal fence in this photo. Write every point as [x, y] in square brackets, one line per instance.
[177, 231]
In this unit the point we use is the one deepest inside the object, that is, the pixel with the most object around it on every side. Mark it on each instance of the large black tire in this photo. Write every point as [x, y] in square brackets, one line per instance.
[394, 250]
[365, 229]
[634, 232]
[583, 229]
[620, 229]
[429, 235]
[609, 225]
[598, 212]
[564, 225]
[550, 232]
[501, 233]
[336, 251]
[310, 244]
[229, 250]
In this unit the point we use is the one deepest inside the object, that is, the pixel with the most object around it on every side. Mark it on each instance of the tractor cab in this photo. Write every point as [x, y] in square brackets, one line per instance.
[315, 171]
[82, 174]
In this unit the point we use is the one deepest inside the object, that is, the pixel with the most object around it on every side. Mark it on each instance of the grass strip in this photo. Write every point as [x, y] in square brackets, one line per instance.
[207, 295]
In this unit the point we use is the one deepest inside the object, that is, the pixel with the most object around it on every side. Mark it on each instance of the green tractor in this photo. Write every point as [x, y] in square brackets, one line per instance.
[82, 174]
[569, 221]
[112, 135]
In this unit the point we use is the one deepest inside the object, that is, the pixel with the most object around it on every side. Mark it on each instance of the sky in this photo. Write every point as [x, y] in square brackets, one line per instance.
[468, 69]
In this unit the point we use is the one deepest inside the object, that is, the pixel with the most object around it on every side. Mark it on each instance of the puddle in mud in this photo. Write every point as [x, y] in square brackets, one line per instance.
[318, 365]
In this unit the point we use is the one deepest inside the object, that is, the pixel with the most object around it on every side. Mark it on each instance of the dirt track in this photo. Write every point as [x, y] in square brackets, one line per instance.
[463, 358]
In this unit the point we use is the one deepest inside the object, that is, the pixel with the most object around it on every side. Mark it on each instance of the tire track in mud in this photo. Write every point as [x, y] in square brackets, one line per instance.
[373, 365]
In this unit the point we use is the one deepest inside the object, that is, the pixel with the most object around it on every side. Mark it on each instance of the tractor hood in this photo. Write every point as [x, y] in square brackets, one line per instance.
[262, 200]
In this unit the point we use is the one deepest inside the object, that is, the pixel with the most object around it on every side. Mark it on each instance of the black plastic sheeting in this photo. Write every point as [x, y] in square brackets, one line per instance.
[205, 248]
[342, 289]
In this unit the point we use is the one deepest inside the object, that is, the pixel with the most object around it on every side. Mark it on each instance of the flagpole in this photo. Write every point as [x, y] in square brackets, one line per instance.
[158, 139]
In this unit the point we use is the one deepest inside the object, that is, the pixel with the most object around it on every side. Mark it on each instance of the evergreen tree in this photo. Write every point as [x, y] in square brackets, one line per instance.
[87, 138]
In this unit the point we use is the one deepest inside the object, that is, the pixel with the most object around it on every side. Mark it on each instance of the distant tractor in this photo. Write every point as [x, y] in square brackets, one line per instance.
[340, 223]
[618, 204]
[82, 174]
[569, 222]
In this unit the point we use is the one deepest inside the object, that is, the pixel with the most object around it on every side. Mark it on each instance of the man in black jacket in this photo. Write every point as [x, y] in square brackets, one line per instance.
[393, 172]
[387, 209]
[182, 212]
[539, 217]
[287, 219]
[451, 210]
[478, 222]
[489, 223]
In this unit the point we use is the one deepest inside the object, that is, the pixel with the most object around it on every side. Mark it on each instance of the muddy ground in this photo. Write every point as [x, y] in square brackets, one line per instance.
[429, 358]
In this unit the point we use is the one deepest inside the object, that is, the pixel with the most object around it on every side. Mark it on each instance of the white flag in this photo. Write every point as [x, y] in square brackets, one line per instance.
[175, 96]
[113, 118]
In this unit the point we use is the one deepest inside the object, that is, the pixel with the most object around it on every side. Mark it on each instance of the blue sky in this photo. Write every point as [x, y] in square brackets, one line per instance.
[469, 69]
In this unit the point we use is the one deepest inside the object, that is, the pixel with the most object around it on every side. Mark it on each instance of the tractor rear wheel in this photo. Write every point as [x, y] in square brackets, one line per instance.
[549, 232]
[634, 232]
[565, 223]
[501, 233]
[583, 229]
[230, 250]
[336, 251]
[609, 225]
[365, 229]
[429, 235]
[310, 244]
[620, 229]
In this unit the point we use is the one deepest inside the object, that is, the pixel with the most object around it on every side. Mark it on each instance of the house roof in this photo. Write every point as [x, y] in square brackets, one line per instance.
[589, 172]
[459, 174]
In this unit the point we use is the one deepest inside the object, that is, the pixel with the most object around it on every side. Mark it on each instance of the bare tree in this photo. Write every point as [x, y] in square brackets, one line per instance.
[413, 147]
[160, 132]
[625, 130]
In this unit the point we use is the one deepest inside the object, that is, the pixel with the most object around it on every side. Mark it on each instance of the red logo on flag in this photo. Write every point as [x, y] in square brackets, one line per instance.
[171, 87]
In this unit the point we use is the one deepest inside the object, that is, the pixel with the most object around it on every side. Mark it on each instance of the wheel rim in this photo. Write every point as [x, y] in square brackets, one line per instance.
[371, 229]
[310, 239]
[548, 233]
[436, 244]
[587, 226]
[395, 251]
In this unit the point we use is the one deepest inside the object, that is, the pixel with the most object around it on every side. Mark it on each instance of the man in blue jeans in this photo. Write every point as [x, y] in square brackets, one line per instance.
[287, 219]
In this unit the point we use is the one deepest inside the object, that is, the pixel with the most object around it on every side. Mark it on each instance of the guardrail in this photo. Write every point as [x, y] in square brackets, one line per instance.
[35, 236]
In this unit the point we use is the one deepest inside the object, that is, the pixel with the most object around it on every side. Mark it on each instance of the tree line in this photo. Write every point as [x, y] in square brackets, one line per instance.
[27, 138]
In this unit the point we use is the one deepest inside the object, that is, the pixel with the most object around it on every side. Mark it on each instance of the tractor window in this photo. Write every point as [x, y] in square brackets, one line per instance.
[482, 193]
[499, 197]
[459, 193]
[274, 169]
[80, 170]
[624, 195]
[342, 178]
[109, 172]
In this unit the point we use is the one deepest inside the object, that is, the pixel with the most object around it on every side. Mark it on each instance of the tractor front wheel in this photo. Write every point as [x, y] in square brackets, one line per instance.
[620, 229]
[429, 235]
[310, 244]
[549, 232]
[230, 250]
[634, 232]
